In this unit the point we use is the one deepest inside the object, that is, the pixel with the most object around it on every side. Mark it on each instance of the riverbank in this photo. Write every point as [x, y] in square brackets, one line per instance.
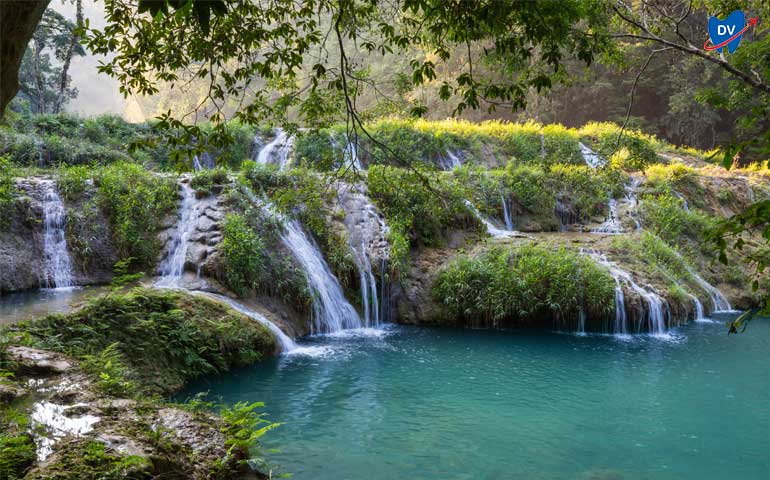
[83, 393]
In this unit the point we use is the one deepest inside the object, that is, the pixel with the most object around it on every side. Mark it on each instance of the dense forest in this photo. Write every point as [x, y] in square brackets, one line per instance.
[437, 238]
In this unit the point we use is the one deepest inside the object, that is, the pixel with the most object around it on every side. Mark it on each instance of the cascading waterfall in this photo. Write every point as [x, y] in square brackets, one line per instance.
[449, 161]
[284, 341]
[612, 225]
[171, 268]
[277, 151]
[331, 310]
[652, 319]
[204, 161]
[685, 205]
[368, 289]
[591, 158]
[58, 266]
[719, 302]
[491, 228]
[506, 213]
[349, 152]
[699, 313]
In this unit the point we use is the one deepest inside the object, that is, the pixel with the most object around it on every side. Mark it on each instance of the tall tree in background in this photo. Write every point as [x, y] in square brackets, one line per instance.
[44, 78]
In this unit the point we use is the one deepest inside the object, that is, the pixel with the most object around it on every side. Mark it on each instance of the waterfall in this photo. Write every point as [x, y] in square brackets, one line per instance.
[685, 205]
[203, 162]
[171, 268]
[699, 315]
[349, 152]
[632, 201]
[542, 145]
[368, 289]
[506, 213]
[581, 322]
[491, 228]
[449, 161]
[612, 225]
[284, 341]
[331, 311]
[591, 158]
[58, 266]
[277, 151]
[652, 320]
[719, 302]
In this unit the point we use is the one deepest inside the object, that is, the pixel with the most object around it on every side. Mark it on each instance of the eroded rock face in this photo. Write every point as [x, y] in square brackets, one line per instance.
[68, 412]
[204, 233]
[365, 225]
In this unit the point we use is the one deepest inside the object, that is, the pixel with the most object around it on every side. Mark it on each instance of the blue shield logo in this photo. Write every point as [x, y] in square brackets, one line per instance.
[727, 32]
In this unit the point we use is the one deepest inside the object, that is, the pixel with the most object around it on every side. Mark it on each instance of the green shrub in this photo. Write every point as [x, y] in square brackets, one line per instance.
[73, 181]
[17, 448]
[136, 202]
[244, 256]
[665, 216]
[202, 181]
[633, 152]
[110, 370]
[413, 210]
[506, 286]
[244, 426]
[7, 190]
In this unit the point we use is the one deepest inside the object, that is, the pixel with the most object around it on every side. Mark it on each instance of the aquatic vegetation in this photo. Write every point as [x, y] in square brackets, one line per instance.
[508, 286]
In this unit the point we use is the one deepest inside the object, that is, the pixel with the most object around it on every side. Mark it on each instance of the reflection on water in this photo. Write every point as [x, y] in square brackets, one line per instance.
[440, 404]
[19, 306]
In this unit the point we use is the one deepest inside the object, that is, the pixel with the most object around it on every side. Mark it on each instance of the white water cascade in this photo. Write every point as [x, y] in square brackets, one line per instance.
[506, 213]
[171, 268]
[591, 158]
[491, 228]
[277, 151]
[58, 266]
[719, 302]
[449, 161]
[331, 310]
[542, 145]
[612, 225]
[652, 320]
[204, 161]
[350, 157]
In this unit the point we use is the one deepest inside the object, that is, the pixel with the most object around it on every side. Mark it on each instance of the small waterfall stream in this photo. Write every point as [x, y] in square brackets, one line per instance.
[449, 161]
[204, 161]
[171, 268]
[58, 265]
[652, 320]
[277, 151]
[491, 228]
[331, 310]
[591, 158]
[506, 213]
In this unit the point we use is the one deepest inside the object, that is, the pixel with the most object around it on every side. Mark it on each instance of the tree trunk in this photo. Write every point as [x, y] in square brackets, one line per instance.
[37, 49]
[18, 19]
[68, 58]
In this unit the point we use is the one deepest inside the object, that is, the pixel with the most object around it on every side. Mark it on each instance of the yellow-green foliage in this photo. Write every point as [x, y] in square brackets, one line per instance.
[631, 151]
[505, 286]
[672, 174]
[665, 216]
[425, 141]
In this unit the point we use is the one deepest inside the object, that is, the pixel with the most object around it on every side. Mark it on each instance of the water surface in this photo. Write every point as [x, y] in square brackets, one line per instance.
[30, 304]
[458, 404]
